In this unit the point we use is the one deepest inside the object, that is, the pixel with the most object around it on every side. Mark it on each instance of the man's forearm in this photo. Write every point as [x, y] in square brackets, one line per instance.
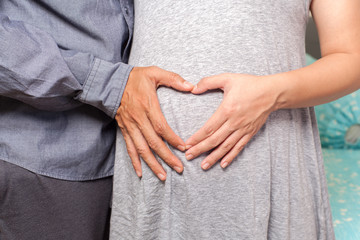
[34, 70]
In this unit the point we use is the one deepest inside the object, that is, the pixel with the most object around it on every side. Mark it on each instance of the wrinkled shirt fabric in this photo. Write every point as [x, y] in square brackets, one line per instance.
[62, 74]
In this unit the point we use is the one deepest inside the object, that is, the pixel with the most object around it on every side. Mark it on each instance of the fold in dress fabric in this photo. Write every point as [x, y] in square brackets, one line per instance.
[275, 188]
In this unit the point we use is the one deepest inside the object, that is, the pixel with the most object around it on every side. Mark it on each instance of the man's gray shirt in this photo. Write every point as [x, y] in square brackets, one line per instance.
[62, 75]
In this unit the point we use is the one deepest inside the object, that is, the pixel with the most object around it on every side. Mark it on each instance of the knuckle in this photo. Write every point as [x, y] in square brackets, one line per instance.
[174, 77]
[135, 116]
[208, 131]
[124, 125]
[159, 127]
[234, 127]
[127, 117]
[141, 150]
[227, 146]
[239, 147]
[122, 128]
[131, 153]
[128, 125]
[123, 113]
[249, 129]
[151, 73]
[120, 111]
[145, 105]
[119, 122]
[154, 144]
[153, 68]
[140, 126]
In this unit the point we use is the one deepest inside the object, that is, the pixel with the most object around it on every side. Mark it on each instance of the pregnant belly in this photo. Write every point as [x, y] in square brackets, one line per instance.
[185, 112]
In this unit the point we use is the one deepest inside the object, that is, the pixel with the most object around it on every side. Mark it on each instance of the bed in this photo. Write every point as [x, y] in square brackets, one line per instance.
[342, 168]
[339, 127]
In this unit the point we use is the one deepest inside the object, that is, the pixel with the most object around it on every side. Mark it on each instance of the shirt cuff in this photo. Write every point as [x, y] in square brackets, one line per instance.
[105, 86]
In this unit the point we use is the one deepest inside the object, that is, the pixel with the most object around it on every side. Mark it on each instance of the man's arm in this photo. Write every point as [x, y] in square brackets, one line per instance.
[34, 70]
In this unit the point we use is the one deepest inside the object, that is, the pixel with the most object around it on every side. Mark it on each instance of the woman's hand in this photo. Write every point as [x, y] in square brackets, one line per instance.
[142, 123]
[248, 101]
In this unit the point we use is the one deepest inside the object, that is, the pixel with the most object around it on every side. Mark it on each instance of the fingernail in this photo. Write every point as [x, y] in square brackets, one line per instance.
[161, 176]
[138, 173]
[205, 166]
[188, 146]
[189, 156]
[187, 84]
[224, 164]
[178, 169]
[181, 148]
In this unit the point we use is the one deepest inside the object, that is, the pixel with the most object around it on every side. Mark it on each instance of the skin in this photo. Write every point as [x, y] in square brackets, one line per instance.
[244, 109]
[248, 100]
[142, 123]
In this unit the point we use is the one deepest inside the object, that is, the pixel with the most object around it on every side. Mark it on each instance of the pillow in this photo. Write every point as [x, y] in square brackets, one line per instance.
[339, 122]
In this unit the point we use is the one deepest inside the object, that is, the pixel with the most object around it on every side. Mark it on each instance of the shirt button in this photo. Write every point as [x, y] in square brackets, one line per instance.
[126, 11]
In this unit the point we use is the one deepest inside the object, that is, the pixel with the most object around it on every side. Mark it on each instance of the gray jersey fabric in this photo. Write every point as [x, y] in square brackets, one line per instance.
[275, 188]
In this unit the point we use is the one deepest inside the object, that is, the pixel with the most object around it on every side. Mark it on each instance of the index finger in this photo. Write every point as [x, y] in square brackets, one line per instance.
[159, 147]
[171, 79]
[209, 128]
[144, 151]
[162, 128]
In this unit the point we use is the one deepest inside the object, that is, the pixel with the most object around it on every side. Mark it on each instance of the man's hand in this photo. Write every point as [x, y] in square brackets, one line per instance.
[248, 101]
[142, 123]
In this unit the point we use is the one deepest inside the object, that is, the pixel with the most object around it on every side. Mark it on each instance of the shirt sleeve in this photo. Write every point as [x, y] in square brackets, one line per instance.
[34, 70]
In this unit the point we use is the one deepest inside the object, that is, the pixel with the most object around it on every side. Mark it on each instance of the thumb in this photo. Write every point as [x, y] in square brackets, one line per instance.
[173, 80]
[209, 83]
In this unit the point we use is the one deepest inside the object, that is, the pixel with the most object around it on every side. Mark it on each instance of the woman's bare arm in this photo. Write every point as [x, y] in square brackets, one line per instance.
[248, 100]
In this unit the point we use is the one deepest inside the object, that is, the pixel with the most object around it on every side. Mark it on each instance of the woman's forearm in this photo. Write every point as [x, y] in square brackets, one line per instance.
[328, 79]
[338, 72]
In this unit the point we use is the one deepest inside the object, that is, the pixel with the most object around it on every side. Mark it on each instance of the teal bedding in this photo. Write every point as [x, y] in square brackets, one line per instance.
[342, 168]
[339, 127]
[339, 121]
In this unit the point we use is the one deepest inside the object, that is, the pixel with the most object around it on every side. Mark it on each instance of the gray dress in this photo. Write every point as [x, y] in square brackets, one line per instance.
[275, 188]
